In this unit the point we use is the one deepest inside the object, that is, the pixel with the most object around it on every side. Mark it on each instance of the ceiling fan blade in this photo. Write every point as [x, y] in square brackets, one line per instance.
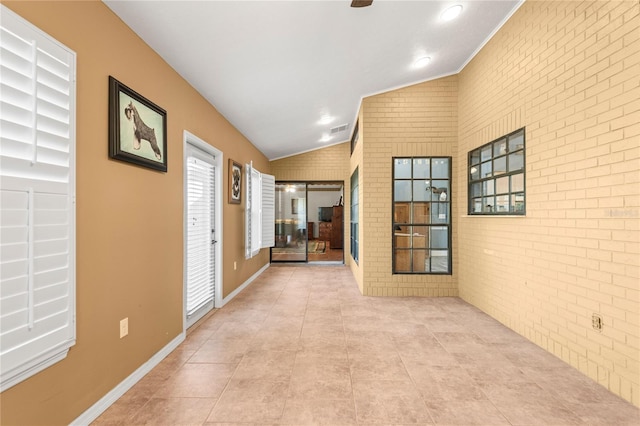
[361, 3]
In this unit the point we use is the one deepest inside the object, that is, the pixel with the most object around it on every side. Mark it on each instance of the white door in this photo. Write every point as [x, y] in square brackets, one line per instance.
[200, 232]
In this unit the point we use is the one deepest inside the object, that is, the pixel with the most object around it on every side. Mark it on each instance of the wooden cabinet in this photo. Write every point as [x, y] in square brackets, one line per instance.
[324, 231]
[333, 231]
[336, 228]
[310, 230]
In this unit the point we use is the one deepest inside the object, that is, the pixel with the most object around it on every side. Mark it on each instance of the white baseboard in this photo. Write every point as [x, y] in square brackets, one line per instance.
[105, 402]
[244, 285]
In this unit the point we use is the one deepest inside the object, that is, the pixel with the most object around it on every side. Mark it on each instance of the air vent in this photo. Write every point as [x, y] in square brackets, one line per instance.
[339, 129]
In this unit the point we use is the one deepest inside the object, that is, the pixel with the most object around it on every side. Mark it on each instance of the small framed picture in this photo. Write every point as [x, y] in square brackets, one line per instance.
[137, 128]
[235, 182]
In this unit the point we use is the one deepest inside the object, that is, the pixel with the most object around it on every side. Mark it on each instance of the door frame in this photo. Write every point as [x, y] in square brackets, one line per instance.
[194, 141]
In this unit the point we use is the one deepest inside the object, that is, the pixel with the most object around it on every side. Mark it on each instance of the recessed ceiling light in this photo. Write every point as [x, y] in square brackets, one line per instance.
[326, 119]
[422, 62]
[325, 138]
[451, 13]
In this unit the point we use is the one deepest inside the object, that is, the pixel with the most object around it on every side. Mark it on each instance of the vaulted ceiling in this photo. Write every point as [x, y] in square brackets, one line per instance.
[285, 73]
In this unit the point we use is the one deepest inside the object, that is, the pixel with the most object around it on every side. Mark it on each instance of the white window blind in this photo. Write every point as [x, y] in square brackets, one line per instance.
[37, 200]
[259, 211]
[200, 230]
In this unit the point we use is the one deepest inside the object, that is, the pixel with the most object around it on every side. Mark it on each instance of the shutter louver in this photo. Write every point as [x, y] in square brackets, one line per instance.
[37, 190]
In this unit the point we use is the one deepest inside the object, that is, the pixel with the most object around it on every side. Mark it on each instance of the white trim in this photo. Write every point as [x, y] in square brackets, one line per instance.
[191, 139]
[106, 401]
[244, 285]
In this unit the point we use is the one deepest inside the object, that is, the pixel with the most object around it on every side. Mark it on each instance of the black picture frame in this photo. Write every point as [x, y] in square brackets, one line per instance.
[137, 128]
[235, 182]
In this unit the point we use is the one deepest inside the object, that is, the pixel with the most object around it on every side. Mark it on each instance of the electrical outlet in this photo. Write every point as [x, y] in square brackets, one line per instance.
[596, 322]
[124, 327]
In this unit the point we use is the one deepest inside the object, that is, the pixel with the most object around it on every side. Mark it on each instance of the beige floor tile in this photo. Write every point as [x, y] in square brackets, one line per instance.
[320, 412]
[266, 365]
[173, 411]
[301, 346]
[197, 380]
[389, 401]
[221, 351]
[320, 379]
[478, 412]
[257, 401]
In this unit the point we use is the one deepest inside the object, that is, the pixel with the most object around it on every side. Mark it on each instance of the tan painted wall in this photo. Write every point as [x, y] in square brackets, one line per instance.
[327, 164]
[569, 72]
[419, 120]
[129, 219]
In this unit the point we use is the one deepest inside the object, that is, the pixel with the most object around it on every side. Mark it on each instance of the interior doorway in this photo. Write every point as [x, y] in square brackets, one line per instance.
[309, 223]
[202, 228]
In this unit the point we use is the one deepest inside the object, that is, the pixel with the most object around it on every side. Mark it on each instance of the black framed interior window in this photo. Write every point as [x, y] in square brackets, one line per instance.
[354, 137]
[496, 176]
[355, 239]
[422, 215]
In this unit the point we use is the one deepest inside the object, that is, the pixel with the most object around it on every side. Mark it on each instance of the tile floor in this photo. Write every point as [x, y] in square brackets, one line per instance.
[301, 346]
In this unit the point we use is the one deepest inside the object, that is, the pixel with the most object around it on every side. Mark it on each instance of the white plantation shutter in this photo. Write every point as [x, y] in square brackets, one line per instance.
[268, 210]
[259, 211]
[37, 200]
[200, 231]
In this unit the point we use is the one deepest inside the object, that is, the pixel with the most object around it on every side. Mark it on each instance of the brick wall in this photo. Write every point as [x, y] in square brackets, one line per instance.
[569, 72]
[419, 120]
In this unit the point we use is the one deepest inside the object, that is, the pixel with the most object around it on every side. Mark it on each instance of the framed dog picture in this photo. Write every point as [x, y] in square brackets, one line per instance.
[137, 128]
[235, 182]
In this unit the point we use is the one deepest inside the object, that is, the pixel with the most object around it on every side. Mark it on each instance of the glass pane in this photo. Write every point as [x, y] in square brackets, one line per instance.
[476, 190]
[420, 237]
[402, 168]
[440, 212]
[291, 223]
[502, 185]
[440, 190]
[402, 260]
[421, 168]
[500, 166]
[517, 203]
[485, 154]
[402, 190]
[485, 169]
[477, 205]
[420, 261]
[439, 261]
[439, 237]
[440, 168]
[500, 147]
[421, 213]
[502, 204]
[475, 157]
[402, 239]
[474, 172]
[421, 190]
[488, 204]
[517, 183]
[488, 187]
[402, 214]
[516, 142]
[515, 161]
